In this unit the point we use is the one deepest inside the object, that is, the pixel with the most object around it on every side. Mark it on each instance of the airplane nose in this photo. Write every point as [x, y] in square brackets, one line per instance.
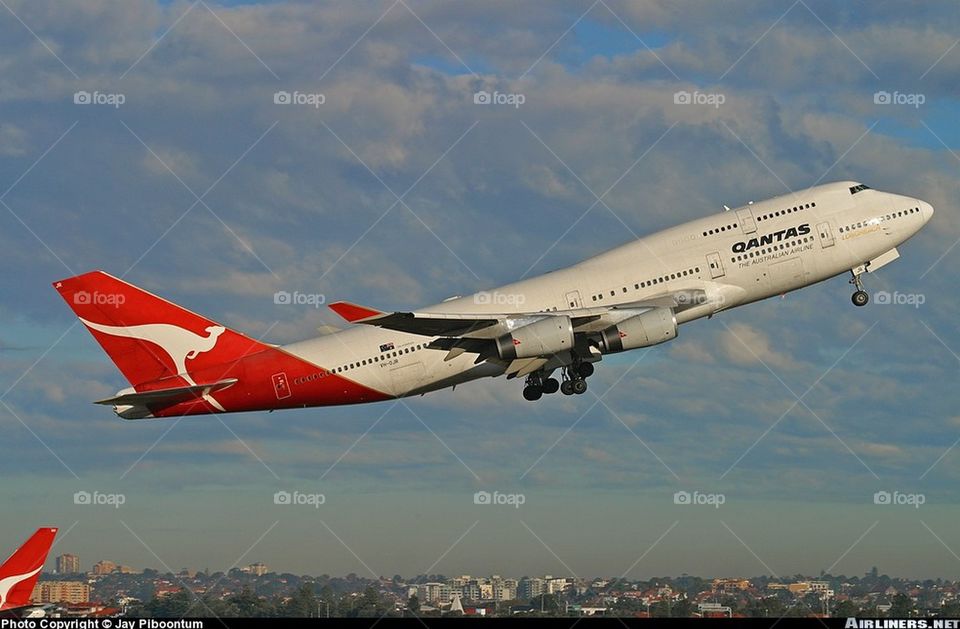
[926, 210]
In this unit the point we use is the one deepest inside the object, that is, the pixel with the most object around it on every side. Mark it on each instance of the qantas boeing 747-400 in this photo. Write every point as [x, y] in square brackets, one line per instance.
[549, 330]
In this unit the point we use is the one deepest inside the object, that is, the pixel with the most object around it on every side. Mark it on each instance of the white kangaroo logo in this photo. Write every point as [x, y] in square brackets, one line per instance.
[8, 583]
[179, 344]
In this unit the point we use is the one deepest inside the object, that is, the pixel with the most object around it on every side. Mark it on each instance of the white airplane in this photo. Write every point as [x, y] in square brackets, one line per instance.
[633, 296]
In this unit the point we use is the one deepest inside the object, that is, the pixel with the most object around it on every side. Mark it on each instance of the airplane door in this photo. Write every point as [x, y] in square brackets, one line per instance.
[826, 236]
[745, 218]
[716, 267]
[573, 299]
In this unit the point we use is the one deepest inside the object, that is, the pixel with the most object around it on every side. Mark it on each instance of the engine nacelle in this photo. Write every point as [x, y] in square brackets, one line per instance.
[550, 335]
[651, 327]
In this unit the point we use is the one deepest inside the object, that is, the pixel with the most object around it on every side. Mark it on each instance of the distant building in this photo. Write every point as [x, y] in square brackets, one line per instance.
[730, 584]
[61, 592]
[470, 590]
[68, 564]
[104, 567]
[432, 592]
[558, 585]
[505, 589]
[165, 588]
[531, 588]
[714, 610]
[257, 569]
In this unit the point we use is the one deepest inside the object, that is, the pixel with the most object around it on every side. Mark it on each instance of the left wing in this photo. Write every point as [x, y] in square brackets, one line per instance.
[529, 340]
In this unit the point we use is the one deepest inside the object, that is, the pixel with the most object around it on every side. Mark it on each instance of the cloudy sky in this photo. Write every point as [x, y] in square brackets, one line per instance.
[182, 174]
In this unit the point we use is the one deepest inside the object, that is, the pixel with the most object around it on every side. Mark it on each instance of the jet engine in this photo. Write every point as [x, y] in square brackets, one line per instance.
[549, 335]
[642, 330]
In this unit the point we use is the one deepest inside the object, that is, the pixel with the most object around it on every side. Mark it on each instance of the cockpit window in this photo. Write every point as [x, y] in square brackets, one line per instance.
[857, 188]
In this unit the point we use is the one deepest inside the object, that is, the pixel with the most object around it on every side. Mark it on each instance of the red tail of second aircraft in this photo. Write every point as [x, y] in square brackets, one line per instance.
[19, 573]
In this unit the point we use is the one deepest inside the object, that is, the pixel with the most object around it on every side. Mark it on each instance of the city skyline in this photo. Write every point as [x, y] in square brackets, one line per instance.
[259, 568]
[252, 591]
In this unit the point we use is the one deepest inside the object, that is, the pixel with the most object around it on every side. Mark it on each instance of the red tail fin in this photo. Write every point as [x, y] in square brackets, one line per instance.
[146, 336]
[20, 572]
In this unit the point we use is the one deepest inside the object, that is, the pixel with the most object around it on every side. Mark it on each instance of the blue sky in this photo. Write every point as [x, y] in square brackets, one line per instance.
[302, 198]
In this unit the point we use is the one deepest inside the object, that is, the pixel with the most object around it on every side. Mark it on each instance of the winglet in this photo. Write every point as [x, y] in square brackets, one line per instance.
[354, 313]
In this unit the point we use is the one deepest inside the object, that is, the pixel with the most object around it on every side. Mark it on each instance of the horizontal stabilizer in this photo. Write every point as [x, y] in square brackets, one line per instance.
[166, 397]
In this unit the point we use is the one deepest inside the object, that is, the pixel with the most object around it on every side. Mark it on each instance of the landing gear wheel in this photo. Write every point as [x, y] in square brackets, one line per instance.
[859, 298]
[579, 386]
[551, 385]
[585, 370]
[567, 387]
[532, 392]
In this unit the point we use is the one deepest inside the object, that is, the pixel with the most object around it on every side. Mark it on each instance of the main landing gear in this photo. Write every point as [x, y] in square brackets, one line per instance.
[860, 297]
[574, 382]
[537, 385]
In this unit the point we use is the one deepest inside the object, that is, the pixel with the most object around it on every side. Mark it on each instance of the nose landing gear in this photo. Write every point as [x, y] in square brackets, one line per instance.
[860, 297]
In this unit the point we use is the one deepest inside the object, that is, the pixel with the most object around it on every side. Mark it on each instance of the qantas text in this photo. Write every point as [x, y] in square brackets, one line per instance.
[769, 239]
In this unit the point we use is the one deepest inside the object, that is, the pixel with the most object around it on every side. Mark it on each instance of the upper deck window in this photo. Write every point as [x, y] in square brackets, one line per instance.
[857, 188]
